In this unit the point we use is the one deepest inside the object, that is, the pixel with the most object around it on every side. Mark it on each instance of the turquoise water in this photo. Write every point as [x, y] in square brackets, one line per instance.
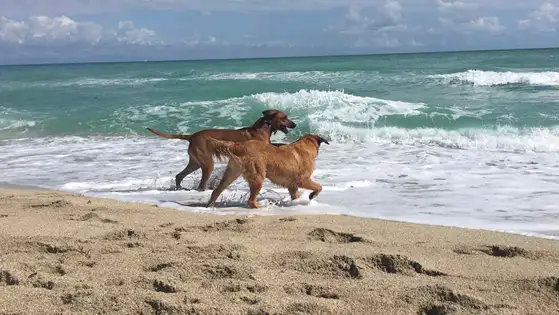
[426, 132]
[457, 90]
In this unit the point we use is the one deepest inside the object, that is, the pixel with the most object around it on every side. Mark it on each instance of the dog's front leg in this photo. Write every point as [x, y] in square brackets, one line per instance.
[309, 184]
[294, 192]
[255, 186]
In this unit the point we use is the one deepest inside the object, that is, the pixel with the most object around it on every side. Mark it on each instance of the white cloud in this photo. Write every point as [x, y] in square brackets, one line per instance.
[207, 41]
[128, 33]
[386, 41]
[64, 30]
[465, 17]
[545, 18]
[415, 43]
[377, 26]
[489, 23]
[46, 29]
[453, 13]
[12, 31]
[373, 18]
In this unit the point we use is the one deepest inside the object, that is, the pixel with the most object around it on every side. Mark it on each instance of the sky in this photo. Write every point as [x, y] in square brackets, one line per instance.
[46, 31]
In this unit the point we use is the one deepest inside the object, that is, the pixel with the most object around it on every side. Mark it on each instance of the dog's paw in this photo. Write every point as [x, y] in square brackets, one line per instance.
[253, 205]
[295, 196]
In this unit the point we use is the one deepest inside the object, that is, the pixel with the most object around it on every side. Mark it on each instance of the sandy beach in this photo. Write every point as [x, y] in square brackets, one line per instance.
[70, 254]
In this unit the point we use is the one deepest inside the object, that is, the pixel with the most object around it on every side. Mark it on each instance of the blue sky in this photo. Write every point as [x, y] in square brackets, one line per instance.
[114, 30]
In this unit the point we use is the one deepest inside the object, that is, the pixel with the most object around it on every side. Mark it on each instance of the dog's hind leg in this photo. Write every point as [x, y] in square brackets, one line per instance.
[308, 183]
[191, 167]
[207, 169]
[232, 172]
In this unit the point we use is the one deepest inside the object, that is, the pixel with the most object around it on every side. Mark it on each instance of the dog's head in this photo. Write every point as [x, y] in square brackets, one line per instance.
[316, 139]
[278, 120]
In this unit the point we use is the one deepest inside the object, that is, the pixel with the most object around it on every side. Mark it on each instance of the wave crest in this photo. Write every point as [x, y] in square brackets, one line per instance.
[503, 138]
[493, 78]
[337, 106]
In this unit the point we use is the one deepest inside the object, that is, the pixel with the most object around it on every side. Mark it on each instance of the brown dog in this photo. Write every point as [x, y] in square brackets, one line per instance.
[289, 166]
[201, 156]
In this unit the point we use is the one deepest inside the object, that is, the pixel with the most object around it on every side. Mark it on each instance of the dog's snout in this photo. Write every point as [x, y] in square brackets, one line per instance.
[293, 125]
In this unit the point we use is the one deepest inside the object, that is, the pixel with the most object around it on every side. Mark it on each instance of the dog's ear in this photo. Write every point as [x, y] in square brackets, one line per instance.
[269, 113]
[320, 140]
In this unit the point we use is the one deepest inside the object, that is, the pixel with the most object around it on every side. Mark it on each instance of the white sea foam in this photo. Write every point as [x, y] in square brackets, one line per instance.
[491, 78]
[335, 114]
[15, 124]
[82, 82]
[501, 139]
[294, 76]
[338, 106]
[325, 77]
[414, 183]
[299, 76]
[12, 120]
[229, 112]
[110, 81]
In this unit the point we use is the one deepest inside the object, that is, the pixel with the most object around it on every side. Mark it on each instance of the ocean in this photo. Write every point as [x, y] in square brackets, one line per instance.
[468, 139]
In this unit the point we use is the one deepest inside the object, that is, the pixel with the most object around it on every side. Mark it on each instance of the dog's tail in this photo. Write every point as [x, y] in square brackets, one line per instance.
[168, 136]
[222, 149]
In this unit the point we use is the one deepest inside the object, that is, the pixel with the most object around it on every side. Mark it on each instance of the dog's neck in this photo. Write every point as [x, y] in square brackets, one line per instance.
[261, 125]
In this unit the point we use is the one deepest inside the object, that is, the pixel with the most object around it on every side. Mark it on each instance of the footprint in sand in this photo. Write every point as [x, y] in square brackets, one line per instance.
[162, 286]
[227, 271]
[441, 300]
[313, 290]
[337, 266]
[94, 217]
[547, 284]
[236, 225]
[329, 236]
[398, 264]
[307, 308]
[8, 278]
[54, 204]
[509, 252]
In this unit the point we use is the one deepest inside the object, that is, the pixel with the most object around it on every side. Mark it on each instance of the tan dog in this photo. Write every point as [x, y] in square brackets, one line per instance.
[201, 156]
[289, 166]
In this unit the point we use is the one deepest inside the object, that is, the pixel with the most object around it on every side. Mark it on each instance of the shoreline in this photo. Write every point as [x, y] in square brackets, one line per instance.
[70, 253]
[554, 235]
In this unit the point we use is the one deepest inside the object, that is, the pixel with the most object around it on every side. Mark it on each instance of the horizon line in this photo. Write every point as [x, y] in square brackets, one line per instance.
[278, 57]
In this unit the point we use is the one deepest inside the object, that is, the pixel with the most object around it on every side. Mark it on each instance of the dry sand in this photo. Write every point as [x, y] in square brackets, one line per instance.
[69, 254]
